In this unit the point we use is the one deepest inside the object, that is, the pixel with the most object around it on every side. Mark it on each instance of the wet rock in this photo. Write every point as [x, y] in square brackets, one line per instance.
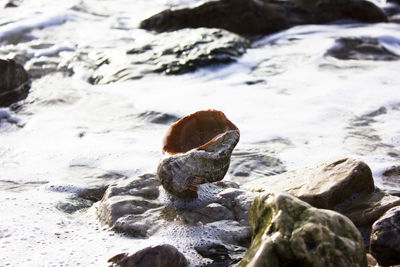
[85, 186]
[39, 67]
[262, 17]
[170, 53]
[155, 256]
[141, 207]
[12, 3]
[391, 180]
[364, 48]
[14, 82]
[323, 186]
[345, 186]
[289, 232]
[71, 206]
[221, 255]
[385, 238]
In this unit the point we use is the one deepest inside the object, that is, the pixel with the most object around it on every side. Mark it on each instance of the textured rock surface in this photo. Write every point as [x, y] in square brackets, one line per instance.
[345, 186]
[262, 17]
[323, 186]
[347, 48]
[289, 232]
[170, 53]
[155, 256]
[141, 208]
[385, 238]
[14, 82]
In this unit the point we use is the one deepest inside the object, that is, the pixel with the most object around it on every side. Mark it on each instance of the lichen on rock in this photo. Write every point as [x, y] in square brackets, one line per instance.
[289, 232]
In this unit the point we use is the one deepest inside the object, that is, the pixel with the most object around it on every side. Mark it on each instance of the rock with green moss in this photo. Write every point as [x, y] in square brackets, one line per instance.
[289, 232]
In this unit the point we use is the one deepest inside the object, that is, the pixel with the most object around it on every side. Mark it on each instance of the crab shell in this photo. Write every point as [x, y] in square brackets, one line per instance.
[197, 150]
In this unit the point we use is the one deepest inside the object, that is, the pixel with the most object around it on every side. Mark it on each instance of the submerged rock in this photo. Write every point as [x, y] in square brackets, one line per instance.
[262, 17]
[385, 238]
[170, 53]
[364, 48]
[197, 149]
[289, 232]
[14, 82]
[345, 186]
[155, 256]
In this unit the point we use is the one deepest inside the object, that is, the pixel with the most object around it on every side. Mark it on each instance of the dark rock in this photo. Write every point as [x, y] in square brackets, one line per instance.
[155, 256]
[221, 255]
[391, 180]
[14, 82]
[385, 238]
[262, 17]
[366, 48]
[13, 3]
[171, 53]
[289, 232]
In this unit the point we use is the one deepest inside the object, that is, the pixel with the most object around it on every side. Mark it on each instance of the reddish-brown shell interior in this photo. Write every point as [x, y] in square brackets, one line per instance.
[195, 130]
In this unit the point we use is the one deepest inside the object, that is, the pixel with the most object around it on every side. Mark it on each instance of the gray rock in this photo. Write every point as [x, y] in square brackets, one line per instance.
[361, 48]
[385, 238]
[14, 82]
[290, 232]
[155, 256]
[142, 208]
[170, 53]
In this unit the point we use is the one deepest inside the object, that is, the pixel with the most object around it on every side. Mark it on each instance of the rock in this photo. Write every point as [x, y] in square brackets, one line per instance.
[14, 82]
[155, 256]
[345, 186]
[371, 261]
[361, 48]
[323, 186]
[170, 53]
[262, 17]
[289, 232]
[391, 180]
[385, 238]
[222, 255]
[142, 208]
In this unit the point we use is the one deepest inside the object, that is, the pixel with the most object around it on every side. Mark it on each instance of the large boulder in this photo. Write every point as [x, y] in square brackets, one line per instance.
[14, 82]
[344, 185]
[385, 238]
[169, 53]
[264, 16]
[154, 256]
[289, 232]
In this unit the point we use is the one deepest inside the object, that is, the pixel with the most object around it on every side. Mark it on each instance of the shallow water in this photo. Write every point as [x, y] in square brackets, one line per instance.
[297, 108]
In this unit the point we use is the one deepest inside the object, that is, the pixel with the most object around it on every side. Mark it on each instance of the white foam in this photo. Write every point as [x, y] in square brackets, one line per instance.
[307, 98]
